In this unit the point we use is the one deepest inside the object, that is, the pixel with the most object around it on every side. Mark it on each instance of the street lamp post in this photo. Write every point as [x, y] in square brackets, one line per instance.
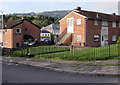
[2, 19]
[2, 30]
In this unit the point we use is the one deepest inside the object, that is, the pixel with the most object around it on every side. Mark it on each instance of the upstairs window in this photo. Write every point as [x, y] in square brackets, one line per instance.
[119, 24]
[95, 22]
[78, 21]
[18, 30]
[104, 23]
[113, 24]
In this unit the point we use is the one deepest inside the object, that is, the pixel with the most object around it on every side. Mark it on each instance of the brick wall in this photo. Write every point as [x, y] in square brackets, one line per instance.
[92, 30]
[11, 37]
[78, 29]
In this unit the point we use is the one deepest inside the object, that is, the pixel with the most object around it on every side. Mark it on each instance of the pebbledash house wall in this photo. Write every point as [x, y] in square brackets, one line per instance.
[88, 29]
[78, 29]
[11, 37]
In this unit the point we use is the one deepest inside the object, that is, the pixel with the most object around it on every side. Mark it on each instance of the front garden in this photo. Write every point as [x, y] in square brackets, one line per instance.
[64, 53]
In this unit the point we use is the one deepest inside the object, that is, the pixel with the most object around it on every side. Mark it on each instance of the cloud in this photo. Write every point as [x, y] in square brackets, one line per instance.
[107, 7]
[13, 7]
[59, 0]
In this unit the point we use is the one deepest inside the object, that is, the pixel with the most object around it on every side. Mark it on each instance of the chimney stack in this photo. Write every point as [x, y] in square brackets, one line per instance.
[78, 8]
[113, 14]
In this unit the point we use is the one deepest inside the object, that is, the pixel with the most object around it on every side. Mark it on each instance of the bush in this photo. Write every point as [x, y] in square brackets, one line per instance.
[118, 42]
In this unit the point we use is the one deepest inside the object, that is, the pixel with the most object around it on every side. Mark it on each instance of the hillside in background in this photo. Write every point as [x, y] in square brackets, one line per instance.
[41, 19]
[56, 14]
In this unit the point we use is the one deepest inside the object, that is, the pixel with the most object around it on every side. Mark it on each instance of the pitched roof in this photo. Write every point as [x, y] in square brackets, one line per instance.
[13, 23]
[52, 27]
[98, 15]
[44, 31]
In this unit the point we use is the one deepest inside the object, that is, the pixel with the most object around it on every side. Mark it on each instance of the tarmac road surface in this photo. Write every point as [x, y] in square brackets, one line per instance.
[16, 73]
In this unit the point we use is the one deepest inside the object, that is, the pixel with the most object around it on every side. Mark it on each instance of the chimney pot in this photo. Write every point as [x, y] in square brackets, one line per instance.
[78, 8]
[113, 14]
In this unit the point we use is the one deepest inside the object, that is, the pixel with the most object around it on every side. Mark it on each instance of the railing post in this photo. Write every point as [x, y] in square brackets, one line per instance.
[109, 50]
[54, 51]
[94, 51]
[118, 45]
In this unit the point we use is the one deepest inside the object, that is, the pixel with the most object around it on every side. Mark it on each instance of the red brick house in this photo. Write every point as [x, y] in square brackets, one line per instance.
[18, 31]
[87, 28]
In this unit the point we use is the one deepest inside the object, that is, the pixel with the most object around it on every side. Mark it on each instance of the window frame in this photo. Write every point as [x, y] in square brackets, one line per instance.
[19, 31]
[18, 44]
[70, 22]
[78, 22]
[97, 37]
[78, 38]
[114, 37]
[105, 23]
[119, 24]
[114, 24]
[96, 22]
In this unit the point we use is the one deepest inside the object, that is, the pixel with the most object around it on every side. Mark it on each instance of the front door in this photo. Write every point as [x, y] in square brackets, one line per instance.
[70, 25]
[104, 36]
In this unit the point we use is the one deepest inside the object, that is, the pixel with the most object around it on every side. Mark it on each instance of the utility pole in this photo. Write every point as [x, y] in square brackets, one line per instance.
[1, 29]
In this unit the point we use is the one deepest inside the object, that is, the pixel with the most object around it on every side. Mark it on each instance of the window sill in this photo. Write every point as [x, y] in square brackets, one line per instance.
[18, 33]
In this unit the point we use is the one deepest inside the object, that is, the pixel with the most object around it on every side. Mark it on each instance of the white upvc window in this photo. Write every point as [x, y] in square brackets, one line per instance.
[114, 37]
[96, 37]
[5, 44]
[78, 37]
[42, 34]
[45, 34]
[119, 24]
[1, 44]
[95, 22]
[18, 30]
[113, 24]
[79, 21]
[104, 23]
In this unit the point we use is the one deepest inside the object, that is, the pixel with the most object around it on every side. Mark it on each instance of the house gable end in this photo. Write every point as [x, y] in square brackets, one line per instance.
[74, 13]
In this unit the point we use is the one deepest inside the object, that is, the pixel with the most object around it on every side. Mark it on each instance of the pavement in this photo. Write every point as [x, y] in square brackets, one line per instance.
[17, 74]
[96, 68]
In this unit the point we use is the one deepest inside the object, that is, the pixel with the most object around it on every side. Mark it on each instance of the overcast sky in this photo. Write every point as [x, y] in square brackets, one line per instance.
[24, 6]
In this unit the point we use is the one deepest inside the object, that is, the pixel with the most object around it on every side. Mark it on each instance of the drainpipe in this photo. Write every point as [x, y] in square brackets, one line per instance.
[85, 31]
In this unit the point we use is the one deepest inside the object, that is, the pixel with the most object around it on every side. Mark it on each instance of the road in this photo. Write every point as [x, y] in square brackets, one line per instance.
[15, 73]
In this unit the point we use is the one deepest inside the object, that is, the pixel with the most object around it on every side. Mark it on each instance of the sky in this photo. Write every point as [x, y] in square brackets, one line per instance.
[25, 6]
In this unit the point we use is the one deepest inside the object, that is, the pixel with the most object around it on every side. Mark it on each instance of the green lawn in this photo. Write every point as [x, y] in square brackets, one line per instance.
[37, 50]
[99, 53]
[89, 54]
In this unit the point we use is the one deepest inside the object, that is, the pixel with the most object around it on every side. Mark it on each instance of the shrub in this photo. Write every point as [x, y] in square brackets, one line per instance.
[118, 42]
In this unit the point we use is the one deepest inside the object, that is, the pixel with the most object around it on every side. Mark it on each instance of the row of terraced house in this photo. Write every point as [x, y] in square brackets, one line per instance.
[79, 27]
